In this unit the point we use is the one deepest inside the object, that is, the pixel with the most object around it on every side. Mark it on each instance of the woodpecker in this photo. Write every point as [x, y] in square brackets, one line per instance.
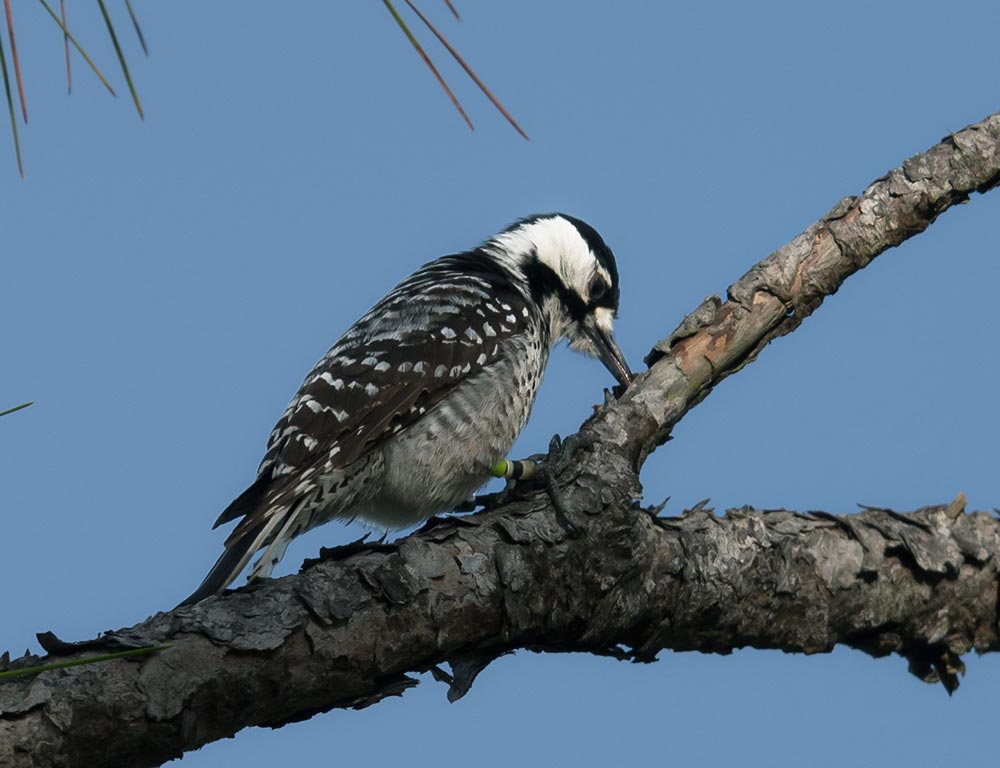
[407, 413]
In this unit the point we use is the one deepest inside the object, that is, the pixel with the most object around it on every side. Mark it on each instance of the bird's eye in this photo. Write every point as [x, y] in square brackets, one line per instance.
[598, 287]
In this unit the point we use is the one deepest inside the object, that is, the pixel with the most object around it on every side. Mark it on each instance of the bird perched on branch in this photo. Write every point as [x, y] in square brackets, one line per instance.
[419, 400]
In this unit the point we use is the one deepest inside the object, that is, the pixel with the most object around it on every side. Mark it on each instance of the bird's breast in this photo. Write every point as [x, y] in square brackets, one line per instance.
[443, 458]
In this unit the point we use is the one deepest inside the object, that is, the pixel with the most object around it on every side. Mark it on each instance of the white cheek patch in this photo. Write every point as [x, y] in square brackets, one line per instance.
[604, 318]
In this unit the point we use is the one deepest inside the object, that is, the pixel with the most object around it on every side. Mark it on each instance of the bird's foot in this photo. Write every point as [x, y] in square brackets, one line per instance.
[538, 469]
[563, 452]
[561, 455]
[544, 469]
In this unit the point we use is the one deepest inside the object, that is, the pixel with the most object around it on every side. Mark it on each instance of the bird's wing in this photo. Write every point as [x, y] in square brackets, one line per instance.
[436, 329]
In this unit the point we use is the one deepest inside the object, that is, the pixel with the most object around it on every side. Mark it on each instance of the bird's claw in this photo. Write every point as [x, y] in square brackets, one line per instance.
[563, 451]
[548, 479]
[548, 467]
[542, 469]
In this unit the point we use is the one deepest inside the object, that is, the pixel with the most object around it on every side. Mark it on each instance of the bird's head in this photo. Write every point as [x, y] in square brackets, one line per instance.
[570, 272]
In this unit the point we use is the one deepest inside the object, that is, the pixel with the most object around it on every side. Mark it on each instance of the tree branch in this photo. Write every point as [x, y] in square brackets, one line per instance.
[778, 293]
[614, 579]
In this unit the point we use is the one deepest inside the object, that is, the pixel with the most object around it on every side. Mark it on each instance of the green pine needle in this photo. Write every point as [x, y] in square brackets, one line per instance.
[79, 48]
[16, 408]
[121, 58]
[138, 29]
[11, 673]
[10, 108]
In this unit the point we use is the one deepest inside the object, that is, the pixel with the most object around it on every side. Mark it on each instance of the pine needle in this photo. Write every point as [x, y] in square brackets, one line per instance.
[16, 408]
[121, 58]
[138, 29]
[78, 47]
[11, 673]
[15, 59]
[468, 69]
[69, 70]
[427, 61]
[10, 109]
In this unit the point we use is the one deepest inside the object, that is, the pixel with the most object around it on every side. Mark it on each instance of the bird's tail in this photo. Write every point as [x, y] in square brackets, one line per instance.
[226, 569]
[252, 534]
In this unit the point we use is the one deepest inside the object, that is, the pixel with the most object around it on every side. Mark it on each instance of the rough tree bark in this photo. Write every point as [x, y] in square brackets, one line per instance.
[611, 578]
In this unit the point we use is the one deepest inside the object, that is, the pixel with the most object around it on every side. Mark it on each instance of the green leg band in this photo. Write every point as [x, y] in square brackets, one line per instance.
[513, 470]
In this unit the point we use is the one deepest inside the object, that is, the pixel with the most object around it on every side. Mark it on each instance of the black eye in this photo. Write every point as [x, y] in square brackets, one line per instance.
[598, 287]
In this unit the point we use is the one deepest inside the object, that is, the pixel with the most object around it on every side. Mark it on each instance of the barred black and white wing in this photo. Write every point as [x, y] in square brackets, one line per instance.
[440, 327]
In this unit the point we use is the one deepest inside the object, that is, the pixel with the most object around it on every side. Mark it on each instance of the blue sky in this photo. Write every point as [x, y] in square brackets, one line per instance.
[165, 285]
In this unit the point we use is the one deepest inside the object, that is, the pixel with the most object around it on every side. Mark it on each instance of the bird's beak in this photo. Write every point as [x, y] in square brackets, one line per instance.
[609, 353]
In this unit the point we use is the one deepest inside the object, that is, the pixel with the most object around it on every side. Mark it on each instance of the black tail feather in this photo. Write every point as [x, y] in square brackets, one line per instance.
[246, 502]
[222, 574]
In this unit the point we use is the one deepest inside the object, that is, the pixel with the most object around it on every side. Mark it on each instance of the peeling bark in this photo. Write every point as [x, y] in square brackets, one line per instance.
[612, 579]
